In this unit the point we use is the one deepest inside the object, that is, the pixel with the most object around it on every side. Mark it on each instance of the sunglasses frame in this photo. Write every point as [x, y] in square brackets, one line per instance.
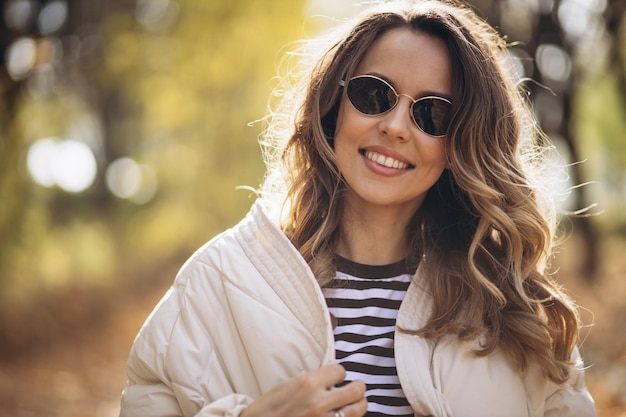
[344, 83]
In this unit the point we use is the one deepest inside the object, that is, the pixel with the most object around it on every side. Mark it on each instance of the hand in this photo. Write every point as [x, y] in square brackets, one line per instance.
[312, 395]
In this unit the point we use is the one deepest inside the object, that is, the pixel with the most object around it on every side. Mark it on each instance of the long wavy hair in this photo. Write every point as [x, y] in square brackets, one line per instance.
[485, 231]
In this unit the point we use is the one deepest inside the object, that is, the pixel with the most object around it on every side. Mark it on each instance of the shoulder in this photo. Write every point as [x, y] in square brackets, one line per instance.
[572, 398]
[196, 297]
[226, 253]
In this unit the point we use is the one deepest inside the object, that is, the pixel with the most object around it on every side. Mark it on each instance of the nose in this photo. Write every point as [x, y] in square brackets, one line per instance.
[396, 123]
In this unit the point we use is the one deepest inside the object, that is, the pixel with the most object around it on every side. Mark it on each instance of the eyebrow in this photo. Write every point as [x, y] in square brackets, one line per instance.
[422, 94]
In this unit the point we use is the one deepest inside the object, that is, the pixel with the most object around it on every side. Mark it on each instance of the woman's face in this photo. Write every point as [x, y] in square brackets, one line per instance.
[386, 160]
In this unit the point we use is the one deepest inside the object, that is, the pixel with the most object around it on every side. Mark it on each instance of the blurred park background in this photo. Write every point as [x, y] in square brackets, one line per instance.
[126, 128]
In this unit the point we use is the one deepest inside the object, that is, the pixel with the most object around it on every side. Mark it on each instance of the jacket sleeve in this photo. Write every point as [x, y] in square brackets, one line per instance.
[154, 387]
[573, 399]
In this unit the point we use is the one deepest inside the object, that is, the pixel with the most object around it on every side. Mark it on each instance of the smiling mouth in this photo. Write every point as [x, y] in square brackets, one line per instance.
[385, 161]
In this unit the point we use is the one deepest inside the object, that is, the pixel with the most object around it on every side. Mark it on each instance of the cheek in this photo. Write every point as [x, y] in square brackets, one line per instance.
[444, 151]
[439, 153]
[432, 152]
[351, 125]
[444, 156]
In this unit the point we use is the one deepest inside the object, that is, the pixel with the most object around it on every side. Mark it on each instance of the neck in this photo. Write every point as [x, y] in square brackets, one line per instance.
[374, 235]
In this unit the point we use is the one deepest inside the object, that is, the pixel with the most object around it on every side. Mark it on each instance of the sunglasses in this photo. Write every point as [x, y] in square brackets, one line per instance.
[372, 96]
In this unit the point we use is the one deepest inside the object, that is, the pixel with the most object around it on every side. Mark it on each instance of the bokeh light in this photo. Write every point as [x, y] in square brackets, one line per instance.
[553, 62]
[21, 58]
[39, 161]
[18, 14]
[52, 17]
[522, 63]
[127, 179]
[68, 164]
[124, 136]
[581, 18]
[156, 15]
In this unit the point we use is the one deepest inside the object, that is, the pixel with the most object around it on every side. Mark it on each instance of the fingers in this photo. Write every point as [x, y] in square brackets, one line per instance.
[312, 394]
[339, 413]
[350, 399]
[350, 393]
[318, 388]
[329, 375]
[356, 409]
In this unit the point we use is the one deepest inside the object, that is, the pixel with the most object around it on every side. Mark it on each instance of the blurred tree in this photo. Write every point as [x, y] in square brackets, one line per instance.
[12, 183]
[616, 27]
[547, 37]
[47, 72]
[161, 92]
[140, 109]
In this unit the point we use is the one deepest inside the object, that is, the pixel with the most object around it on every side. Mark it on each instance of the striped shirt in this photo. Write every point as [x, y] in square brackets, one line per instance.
[364, 299]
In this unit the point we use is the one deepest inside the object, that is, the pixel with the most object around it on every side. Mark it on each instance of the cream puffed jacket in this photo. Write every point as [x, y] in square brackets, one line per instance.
[246, 313]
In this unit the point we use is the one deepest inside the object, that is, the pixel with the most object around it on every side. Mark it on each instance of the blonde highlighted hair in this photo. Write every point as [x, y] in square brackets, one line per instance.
[485, 231]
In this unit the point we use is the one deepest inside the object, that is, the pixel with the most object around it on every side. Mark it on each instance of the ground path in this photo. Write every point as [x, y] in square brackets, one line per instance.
[81, 377]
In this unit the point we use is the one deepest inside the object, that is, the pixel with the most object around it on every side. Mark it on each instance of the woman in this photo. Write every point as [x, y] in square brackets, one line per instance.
[406, 271]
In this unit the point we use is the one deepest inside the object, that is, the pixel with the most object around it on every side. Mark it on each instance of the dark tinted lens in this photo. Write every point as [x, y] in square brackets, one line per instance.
[431, 115]
[370, 95]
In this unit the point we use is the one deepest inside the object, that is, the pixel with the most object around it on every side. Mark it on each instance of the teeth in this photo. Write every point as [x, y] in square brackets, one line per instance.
[385, 161]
